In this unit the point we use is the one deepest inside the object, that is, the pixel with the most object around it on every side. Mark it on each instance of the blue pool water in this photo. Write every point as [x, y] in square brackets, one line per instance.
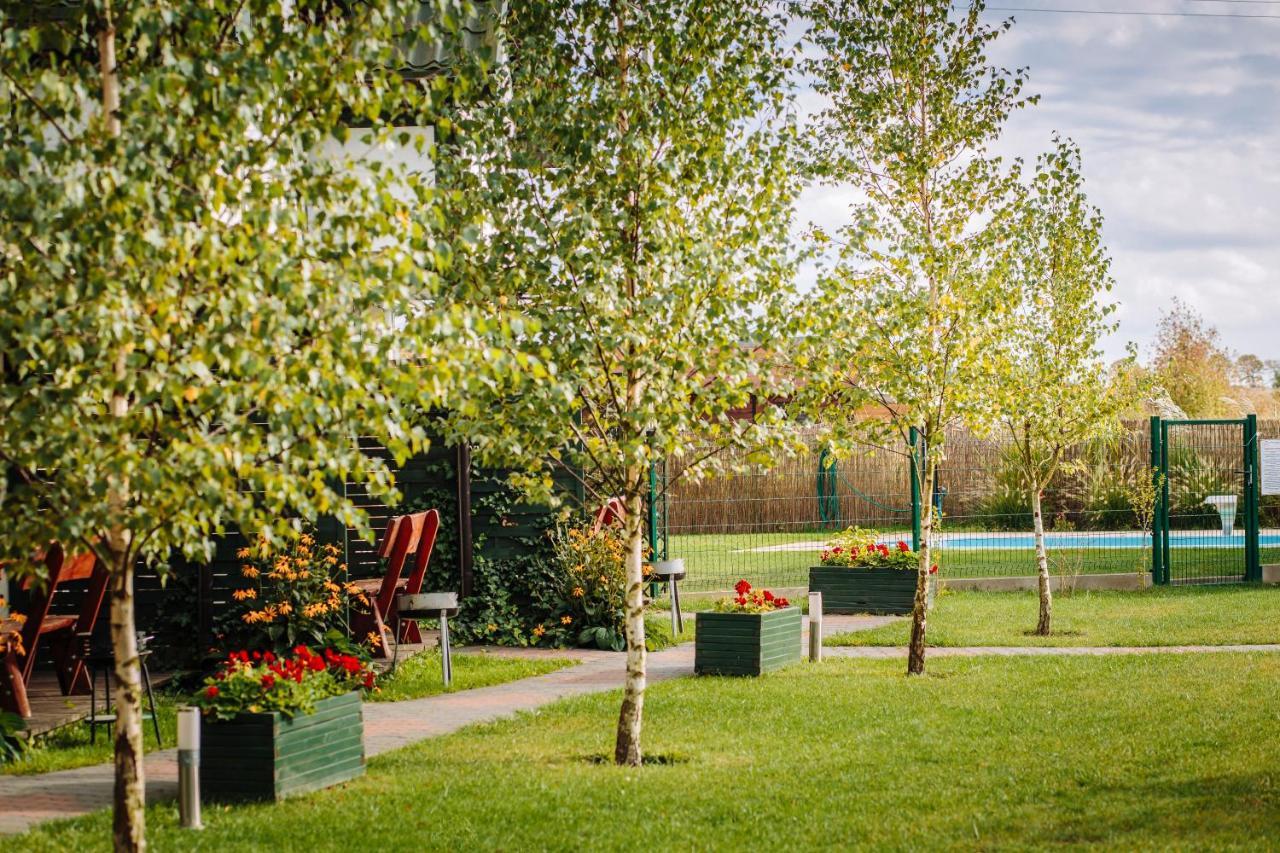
[1177, 539]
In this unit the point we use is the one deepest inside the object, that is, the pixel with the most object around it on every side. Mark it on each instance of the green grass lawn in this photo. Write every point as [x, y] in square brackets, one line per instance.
[422, 675]
[1160, 616]
[1121, 752]
[715, 561]
[69, 746]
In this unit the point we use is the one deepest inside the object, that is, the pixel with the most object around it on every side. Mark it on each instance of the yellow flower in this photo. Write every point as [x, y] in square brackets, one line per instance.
[242, 594]
[492, 627]
[578, 592]
[249, 571]
[373, 639]
[285, 608]
[604, 579]
[244, 553]
[307, 539]
[566, 620]
[539, 631]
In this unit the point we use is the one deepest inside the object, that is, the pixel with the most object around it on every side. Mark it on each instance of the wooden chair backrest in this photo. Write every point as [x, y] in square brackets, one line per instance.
[426, 542]
[64, 569]
[613, 512]
[407, 533]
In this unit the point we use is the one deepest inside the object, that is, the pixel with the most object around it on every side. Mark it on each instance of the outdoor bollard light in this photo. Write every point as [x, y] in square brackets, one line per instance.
[429, 605]
[815, 626]
[189, 768]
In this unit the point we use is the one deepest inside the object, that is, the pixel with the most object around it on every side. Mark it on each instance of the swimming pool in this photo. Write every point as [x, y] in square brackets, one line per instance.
[1120, 539]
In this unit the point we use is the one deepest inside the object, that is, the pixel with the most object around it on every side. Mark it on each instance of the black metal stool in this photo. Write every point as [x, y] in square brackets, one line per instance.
[671, 572]
[97, 659]
[428, 605]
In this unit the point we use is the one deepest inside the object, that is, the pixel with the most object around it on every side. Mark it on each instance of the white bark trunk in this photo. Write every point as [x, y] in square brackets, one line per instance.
[627, 748]
[129, 828]
[1043, 628]
[920, 607]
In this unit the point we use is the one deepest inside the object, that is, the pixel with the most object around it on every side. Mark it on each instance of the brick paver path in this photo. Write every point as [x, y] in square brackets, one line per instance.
[29, 800]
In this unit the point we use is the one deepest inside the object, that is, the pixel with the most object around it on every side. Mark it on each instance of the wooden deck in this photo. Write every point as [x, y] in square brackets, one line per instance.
[51, 710]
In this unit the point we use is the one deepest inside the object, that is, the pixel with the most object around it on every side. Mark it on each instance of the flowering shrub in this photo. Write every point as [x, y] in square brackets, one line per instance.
[861, 549]
[298, 595]
[748, 600]
[588, 605]
[261, 682]
[11, 634]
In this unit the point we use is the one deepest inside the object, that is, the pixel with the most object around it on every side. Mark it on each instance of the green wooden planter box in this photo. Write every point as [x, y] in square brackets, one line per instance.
[746, 643]
[885, 592]
[272, 756]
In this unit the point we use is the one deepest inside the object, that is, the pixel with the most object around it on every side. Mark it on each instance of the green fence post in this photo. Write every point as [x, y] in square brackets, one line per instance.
[1166, 567]
[653, 522]
[1157, 549]
[916, 455]
[1252, 557]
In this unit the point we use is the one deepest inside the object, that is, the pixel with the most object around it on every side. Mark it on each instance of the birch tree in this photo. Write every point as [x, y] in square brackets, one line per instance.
[914, 293]
[630, 172]
[194, 304]
[1060, 391]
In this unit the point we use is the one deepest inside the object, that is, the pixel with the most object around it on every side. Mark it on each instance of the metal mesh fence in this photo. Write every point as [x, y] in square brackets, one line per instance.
[768, 526]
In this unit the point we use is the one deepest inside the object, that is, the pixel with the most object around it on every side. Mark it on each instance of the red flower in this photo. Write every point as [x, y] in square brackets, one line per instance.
[933, 570]
[268, 657]
[781, 602]
[268, 681]
[837, 550]
[368, 680]
[903, 546]
[302, 651]
[768, 596]
[742, 587]
[883, 549]
[315, 664]
[210, 692]
[742, 599]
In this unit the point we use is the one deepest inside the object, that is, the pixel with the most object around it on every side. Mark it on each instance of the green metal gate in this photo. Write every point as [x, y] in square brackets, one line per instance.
[1205, 519]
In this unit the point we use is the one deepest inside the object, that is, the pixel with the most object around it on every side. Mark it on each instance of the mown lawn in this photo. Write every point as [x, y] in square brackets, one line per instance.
[715, 561]
[423, 675]
[69, 747]
[1160, 616]
[1120, 752]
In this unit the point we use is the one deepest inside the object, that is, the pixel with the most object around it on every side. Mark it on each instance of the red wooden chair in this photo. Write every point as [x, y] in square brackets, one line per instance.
[409, 632]
[613, 512]
[59, 632]
[398, 541]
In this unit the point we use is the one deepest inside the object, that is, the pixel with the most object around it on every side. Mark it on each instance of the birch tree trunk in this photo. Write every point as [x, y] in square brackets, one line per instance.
[1043, 628]
[627, 748]
[129, 826]
[920, 608]
[129, 800]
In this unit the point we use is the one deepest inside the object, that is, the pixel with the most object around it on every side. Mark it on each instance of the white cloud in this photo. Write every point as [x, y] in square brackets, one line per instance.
[1179, 124]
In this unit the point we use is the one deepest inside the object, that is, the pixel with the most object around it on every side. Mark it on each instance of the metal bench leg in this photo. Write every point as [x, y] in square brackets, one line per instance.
[446, 663]
[677, 618]
[151, 700]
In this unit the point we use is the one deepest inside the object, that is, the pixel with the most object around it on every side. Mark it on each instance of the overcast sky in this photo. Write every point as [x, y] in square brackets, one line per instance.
[1179, 122]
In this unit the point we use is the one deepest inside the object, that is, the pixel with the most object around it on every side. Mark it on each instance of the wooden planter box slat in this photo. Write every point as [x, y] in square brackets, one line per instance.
[746, 643]
[887, 592]
[271, 756]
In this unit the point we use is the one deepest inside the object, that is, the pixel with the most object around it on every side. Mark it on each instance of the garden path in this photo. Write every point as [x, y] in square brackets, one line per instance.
[29, 800]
